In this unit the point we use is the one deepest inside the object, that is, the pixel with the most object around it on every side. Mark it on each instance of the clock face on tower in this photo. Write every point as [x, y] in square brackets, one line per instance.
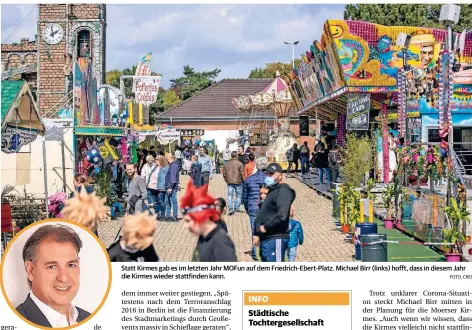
[53, 33]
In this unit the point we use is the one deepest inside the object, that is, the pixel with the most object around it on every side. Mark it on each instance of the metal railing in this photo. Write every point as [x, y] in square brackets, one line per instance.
[65, 101]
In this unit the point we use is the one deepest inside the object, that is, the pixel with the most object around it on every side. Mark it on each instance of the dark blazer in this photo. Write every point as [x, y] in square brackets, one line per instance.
[29, 310]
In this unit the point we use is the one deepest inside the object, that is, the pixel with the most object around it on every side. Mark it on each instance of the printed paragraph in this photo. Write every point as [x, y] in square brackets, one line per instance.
[175, 310]
[423, 310]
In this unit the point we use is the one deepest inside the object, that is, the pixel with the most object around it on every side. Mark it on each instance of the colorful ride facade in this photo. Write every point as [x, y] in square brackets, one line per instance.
[361, 57]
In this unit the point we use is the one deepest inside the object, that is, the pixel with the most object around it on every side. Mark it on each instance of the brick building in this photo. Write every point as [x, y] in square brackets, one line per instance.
[65, 32]
[212, 110]
[19, 62]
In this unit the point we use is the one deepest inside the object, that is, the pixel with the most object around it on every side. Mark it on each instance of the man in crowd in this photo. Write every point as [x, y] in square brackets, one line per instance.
[304, 158]
[137, 191]
[172, 186]
[233, 173]
[226, 155]
[251, 196]
[207, 165]
[200, 218]
[217, 160]
[271, 227]
[334, 160]
[293, 155]
[322, 162]
[51, 259]
[242, 156]
[152, 151]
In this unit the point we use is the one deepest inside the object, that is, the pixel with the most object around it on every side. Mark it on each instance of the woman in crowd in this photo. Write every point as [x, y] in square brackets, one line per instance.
[220, 204]
[196, 172]
[80, 179]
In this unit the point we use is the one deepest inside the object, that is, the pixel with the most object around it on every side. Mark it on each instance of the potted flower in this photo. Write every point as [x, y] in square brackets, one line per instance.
[453, 236]
[387, 202]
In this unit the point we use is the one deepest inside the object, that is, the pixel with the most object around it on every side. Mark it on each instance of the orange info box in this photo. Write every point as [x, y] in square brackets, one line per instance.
[299, 298]
[297, 309]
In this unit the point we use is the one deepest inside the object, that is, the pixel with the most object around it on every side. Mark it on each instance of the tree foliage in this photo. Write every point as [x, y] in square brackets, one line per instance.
[170, 99]
[270, 70]
[357, 159]
[421, 15]
[192, 82]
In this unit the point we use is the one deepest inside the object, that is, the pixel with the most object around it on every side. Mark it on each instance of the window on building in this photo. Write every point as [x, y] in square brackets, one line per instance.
[84, 44]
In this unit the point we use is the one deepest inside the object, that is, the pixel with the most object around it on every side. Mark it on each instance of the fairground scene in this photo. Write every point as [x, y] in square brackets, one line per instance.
[220, 133]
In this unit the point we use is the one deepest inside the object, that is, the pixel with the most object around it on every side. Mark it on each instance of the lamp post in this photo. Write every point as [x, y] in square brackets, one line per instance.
[293, 51]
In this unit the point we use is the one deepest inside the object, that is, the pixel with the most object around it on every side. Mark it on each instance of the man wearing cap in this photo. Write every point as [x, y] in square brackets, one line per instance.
[271, 227]
[251, 195]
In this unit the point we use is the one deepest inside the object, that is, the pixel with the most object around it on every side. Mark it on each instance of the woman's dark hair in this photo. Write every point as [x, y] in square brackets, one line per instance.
[252, 156]
[220, 204]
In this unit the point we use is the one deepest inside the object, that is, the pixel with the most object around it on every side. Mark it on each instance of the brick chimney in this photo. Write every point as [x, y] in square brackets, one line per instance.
[24, 41]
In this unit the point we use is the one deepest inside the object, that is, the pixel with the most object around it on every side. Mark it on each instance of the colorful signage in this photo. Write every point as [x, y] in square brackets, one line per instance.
[358, 108]
[147, 90]
[144, 67]
[14, 138]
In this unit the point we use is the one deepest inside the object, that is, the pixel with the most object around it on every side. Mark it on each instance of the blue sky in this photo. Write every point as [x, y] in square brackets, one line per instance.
[233, 38]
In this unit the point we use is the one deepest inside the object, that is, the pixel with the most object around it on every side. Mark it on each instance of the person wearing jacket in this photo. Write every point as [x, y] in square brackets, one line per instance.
[200, 218]
[251, 196]
[271, 227]
[334, 161]
[196, 172]
[162, 201]
[137, 192]
[250, 166]
[207, 165]
[304, 158]
[293, 156]
[233, 173]
[226, 155]
[172, 186]
[296, 236]
[322, 162]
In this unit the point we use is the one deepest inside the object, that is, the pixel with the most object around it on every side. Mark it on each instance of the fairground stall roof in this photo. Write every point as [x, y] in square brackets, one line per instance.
[18, 107]
[361, 57]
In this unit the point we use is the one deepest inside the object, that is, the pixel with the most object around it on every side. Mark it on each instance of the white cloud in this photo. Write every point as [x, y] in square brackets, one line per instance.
[234, 38]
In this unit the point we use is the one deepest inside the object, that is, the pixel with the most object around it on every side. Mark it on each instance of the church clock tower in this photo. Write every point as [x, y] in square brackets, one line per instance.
[67, 32]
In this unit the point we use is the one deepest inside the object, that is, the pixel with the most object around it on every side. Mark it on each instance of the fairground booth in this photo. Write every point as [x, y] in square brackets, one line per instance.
[402, 85]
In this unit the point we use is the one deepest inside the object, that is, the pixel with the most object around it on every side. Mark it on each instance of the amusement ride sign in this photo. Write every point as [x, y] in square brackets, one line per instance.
[147, 89]
[358, 108]
[143, 68]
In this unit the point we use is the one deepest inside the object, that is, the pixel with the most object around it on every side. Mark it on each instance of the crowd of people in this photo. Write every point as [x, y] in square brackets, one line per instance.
[152, 187]
[326, 160]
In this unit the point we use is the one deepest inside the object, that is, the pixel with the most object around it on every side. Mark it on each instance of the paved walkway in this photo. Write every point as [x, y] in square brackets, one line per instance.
[322, 241]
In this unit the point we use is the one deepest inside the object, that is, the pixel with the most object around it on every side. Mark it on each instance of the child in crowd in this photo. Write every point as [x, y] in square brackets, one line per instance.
[296, 236]
[264, 190]
[135, 244]
[196, 172]
[220, 204]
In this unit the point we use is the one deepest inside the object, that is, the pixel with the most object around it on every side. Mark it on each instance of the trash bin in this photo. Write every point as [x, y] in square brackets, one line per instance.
[374, 252]
[367, 228]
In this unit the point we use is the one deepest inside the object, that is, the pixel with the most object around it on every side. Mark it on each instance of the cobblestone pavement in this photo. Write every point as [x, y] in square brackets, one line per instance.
[322, 241]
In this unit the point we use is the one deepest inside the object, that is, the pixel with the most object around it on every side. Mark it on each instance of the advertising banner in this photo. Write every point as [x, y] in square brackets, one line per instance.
[14, 138]
[143, 68]
[147, 90]
[358, 108]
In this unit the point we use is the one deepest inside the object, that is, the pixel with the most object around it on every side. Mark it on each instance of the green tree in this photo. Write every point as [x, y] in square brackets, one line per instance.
[270, 70]
[420, 15]
[193, 82]
[170, 99]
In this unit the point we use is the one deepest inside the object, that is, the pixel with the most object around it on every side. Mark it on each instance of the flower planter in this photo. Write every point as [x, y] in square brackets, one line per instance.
[388, 223]
[345, 228]
[453, 257]
[353, 239]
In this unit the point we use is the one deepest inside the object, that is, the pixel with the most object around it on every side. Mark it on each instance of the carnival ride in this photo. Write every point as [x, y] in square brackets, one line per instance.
[276, 97]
